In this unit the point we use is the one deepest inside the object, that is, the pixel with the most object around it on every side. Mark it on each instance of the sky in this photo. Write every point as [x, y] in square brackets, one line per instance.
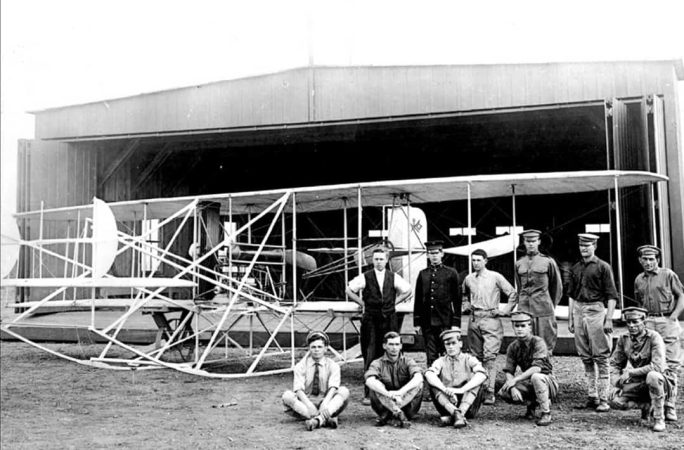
[57, 53]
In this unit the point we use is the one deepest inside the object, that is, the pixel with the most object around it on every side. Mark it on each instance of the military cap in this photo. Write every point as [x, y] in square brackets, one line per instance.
[531, 234]
[453, 332]
[520, 316]
[316, 335]
[648, 250]
[634, 312]
[434, 245]
[587, 238]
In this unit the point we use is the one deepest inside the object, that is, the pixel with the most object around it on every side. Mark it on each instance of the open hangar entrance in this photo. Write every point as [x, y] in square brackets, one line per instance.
[618, 134]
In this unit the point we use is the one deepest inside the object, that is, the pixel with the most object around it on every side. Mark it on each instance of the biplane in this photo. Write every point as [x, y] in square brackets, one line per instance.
[202, 265]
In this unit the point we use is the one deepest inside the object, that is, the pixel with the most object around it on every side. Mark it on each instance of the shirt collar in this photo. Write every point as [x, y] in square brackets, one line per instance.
[455, 358]
[386, 359]
[639, 337]
[653, 272]
[593, 259]
[313, 361]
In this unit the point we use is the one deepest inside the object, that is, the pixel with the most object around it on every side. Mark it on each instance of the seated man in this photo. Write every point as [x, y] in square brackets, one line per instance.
[395, 383]
[316, 394]
[455, 381]
[643, 384]
[536, 385]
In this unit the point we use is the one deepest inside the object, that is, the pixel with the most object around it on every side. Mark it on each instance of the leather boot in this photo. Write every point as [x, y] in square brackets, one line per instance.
[670, 413]
[658, 414]
[545, 419]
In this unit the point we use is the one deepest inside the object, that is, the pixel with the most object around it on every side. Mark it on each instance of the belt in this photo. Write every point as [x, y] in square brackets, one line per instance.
[658, 314]
[484, 312]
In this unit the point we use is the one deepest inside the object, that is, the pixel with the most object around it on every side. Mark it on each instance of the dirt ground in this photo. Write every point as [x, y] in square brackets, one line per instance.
[48, 402]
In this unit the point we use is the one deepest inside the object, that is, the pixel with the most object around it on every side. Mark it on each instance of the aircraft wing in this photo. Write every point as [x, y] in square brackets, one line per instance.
[334, 197]
[97, 282]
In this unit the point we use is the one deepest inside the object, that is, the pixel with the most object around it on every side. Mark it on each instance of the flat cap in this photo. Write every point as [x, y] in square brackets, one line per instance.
[648, 250]
[316, 335]
[531, 234]
[434, 245]
[520, 316]
[634, 312]
[453, 332]
[587, 238]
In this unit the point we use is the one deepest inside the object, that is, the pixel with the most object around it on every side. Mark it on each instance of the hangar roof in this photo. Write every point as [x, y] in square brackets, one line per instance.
[312, 96]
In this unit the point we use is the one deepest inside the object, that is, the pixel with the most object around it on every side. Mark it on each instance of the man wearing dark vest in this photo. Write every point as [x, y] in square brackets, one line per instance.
[380, 290]
[437, 304]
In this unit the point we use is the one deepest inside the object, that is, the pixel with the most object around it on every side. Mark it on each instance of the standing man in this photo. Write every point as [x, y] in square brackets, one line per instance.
[540, 288]
[642, 384]
[380, 291]
[395, 383]
[483, 290]
[455, 380]
[660, 292]
[437, 302]
[316, 393]
[536, 385]
[591, 289]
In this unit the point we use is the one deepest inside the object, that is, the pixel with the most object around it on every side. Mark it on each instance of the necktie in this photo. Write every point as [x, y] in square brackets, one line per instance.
[316, 386]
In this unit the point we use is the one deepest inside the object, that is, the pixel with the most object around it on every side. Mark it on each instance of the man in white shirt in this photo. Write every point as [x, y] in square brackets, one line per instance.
[380, 291]
[483, 290]
[316, 393]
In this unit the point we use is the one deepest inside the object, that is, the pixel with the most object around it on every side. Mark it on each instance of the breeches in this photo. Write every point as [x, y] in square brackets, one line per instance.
[546, 328]
[639, 391]
[539, 387]
[669, 330]
[593, 345]
[485, 335]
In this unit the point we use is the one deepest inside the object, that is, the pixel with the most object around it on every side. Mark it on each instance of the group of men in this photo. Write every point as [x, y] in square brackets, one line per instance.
[643, 367]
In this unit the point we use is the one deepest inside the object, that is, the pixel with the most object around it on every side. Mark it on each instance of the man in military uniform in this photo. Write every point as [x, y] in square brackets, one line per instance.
[396, 384]
[591, 289]
[380, 291]
[455, 381]
[535, 385]
[483, 290]
[660, 292]
[539, 288]
[316, 393]
[643, 384]
[437, 300]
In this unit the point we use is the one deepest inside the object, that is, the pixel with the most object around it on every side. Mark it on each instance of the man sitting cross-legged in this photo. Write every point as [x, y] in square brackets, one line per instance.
[395, 383]
[536, 385]
[316, 394]
[455, 381]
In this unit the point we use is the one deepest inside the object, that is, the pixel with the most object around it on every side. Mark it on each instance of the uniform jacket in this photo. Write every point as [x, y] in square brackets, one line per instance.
[539, 285]
[438, 294]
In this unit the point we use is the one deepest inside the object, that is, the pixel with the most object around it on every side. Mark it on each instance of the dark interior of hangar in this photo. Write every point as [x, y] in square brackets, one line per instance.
[568, 138]
[545, 140]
